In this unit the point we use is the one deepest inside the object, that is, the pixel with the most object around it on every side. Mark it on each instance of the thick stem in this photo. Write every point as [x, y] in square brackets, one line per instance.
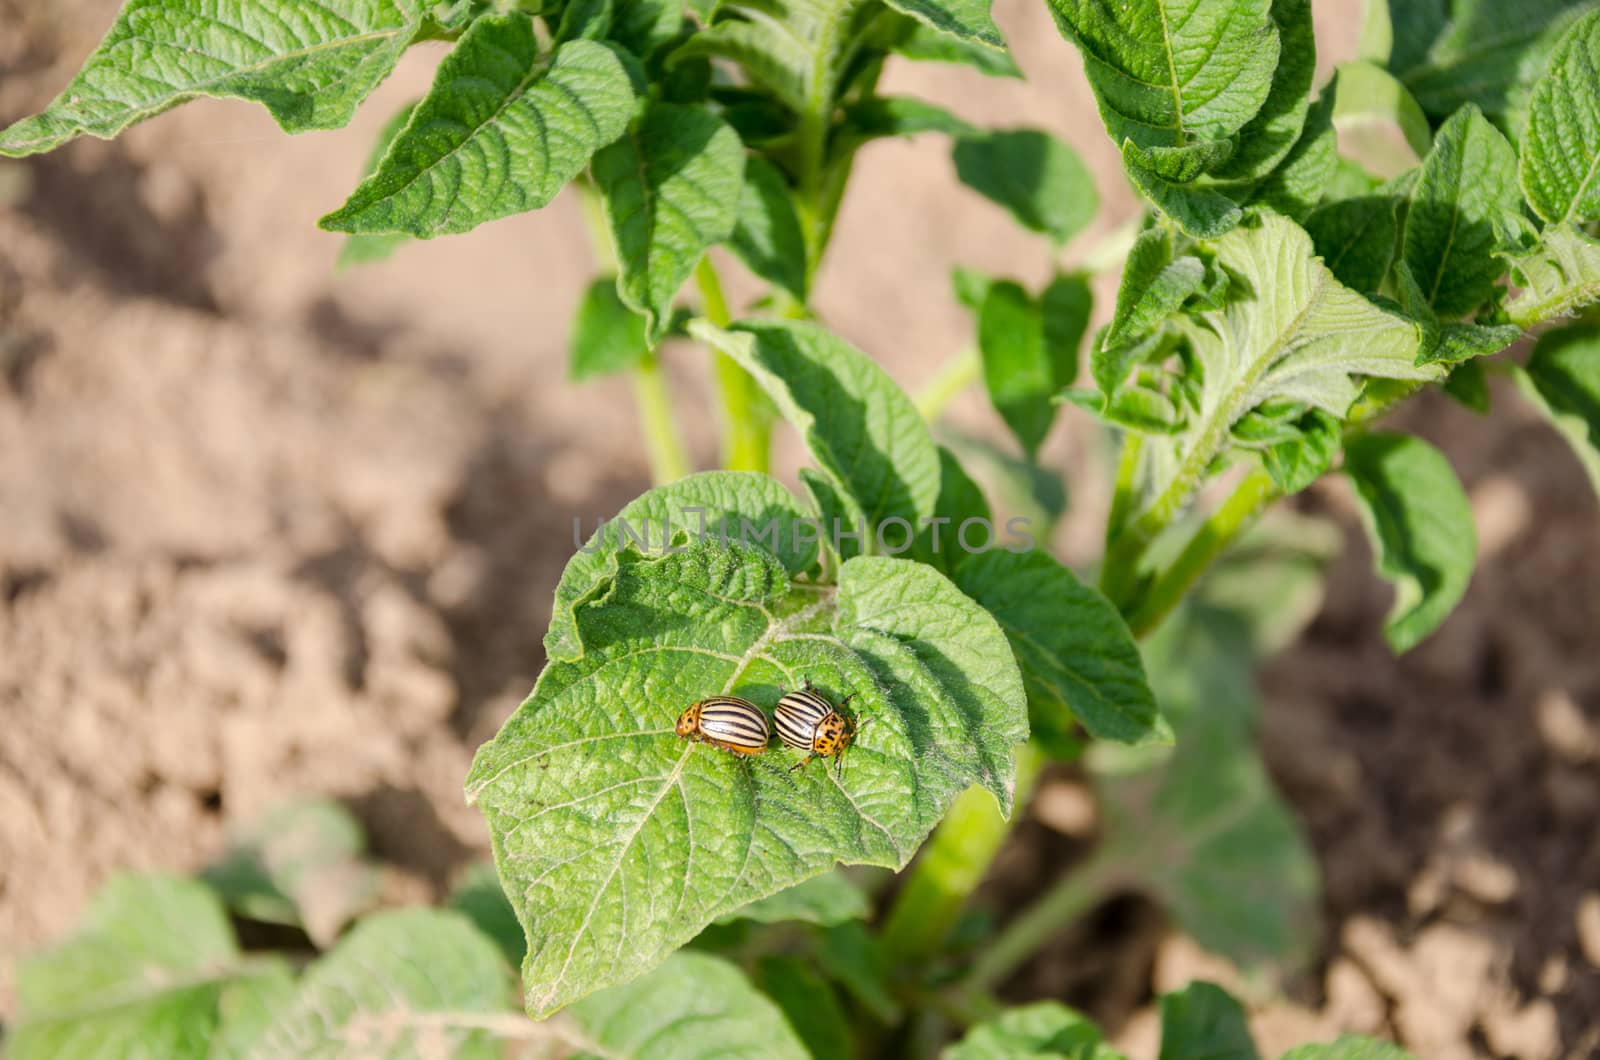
[950, 867]
[1214, 535]
[669, 460]
[1071, 896]
[957, 374]
[746, 425]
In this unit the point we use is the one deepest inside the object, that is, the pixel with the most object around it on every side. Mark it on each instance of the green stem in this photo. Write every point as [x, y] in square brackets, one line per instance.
[950, 867]
[1071, 896]
[746, 423]
[958, 373]
[1235, 515]
[669, 460]
[1126, 491]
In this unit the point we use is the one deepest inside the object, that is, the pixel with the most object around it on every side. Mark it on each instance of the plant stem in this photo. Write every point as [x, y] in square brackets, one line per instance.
[1070, 897]
[950, 867]
[669, 460]
[958, 373]
[1126, 491]
[1235, 515]
[746, 423]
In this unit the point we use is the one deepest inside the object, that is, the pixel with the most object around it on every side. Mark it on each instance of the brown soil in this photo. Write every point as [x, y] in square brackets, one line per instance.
[265, 530]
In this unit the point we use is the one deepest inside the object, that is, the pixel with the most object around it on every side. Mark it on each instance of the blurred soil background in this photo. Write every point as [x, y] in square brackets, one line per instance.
[266, 530]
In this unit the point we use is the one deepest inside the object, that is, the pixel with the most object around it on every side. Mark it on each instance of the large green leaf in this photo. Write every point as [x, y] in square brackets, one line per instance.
[1201, 1022]
[671, 188]
[153, 971]
[311, 65]
[1420, 524]
[859, 425]
[692, 1006]
[1560, 275]
[503, 129]
[1044, 1030]
[1561, 144]
[1462, 202]
[1167, 73]
[1038, 179]
[1562, 379]
[618, 841]
[400, 983]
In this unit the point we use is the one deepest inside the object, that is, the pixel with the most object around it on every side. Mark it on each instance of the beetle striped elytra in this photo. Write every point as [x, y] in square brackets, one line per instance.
[808, 722]
[728, 722]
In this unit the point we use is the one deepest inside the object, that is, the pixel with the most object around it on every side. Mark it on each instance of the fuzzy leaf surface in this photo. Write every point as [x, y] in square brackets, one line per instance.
[1557, 277]
[1348, 1047]
[1560, 149]
[310, 65]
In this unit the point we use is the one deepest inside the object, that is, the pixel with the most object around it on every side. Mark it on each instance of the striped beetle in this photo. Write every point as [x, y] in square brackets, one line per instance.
[728, 722]
[809, 723]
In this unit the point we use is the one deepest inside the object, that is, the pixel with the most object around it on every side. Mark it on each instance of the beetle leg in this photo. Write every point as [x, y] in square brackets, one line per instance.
[802, 763]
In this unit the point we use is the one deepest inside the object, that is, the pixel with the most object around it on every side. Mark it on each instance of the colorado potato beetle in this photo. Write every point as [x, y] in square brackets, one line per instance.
[728, 722]
[807, 722]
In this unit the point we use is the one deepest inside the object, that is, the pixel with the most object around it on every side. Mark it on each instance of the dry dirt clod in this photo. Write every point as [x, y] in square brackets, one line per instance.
[1589, 927]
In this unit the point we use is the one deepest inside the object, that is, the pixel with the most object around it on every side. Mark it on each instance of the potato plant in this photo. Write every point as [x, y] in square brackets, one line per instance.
[1309, 255]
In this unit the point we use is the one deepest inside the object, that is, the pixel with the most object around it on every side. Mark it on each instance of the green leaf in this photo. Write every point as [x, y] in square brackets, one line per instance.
[1348, 1047]
[619, 841]
[726, 506]
[502, 130]
[854, 957]
[607, 337]
[1295, 186]
[1560, 275]
[1562, 380]
[960, 499]
[1038, 179]
[923, 44]
[693, 1004]
[1030, 351]
[1488, 53]
[1297, 462]
[966, 20]
[303, 863]
[1201, 1022]
[1356, 238]
[153, 971]
[1075, 650]
[1462, 342]
[413, 980]
[1468, 384]
[766, 234]
[1266, 138]
[877, 116]
[371, 248]
[1044, 1030]
[826, 899]
[309, 66]
[1414, 26]
[479, 897]
[810, 1004]
[1420, 524]
[1168, 73]
[1154, 286]
[1461, 203]
[671, 188]
[1300, 335]
[1379, 125]
[1203, 213]
[1561, 145]
[859, 426]
[799, 50]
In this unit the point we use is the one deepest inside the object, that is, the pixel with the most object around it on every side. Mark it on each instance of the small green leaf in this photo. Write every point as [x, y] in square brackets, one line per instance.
[1154, 286]
[810, 1004]
[766, 234]
[1462, 342]
[303, 863]
[671, 188]
[1562, 380]
[502, 130]
[309, 66]
[1560, 275]
[1297, 462]
[1021, 368]
[1561, 144]
[690, 1004]
[1075, 650]
[412, 979]
[1044, 1030]
[966, 20]
[370, 248]
[1461, 203]
[479, 897]
[1356, 238]
[150, 973]
[607, 337]
[858, 424]
[877, 116]
[826, 899]
[1348, 1047]
[1201, 1022]
[1468, 384]
[1420, 524]
[854, 957]
[923, 44]
[1267, 137]
[1203, 213]
[619, 841]
[1168, 73]
[1037, 178]
[1379, 125]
